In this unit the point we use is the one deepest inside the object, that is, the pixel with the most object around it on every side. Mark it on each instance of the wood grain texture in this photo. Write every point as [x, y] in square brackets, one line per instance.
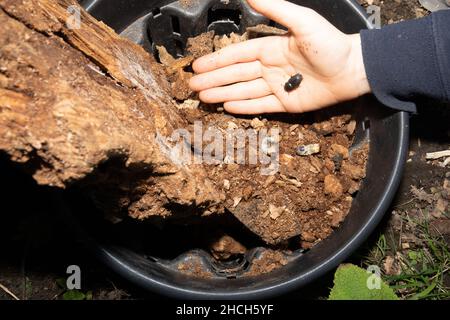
[85, 106]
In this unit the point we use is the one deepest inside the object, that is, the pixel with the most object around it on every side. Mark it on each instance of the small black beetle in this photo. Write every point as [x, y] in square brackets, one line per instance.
[293, 83]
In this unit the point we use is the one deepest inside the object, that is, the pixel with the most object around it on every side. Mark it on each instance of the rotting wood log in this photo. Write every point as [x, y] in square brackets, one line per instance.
[85, 106]
[81, 106]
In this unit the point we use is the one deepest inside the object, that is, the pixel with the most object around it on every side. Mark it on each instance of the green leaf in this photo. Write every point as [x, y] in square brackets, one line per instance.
[351, 283]
[74, 295]
[413, 255]
[89, 295]
[425, 293]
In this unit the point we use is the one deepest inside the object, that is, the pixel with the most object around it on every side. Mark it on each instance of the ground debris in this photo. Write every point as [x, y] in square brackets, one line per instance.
[332, 186]
[262, 30]
[421, 195]
[257, 124]
[201, 45]
[268, 261]
[176, 75]
[391, 266]
[437, 155]
[191, 104]
[223, 41]
[308, 149]
[226, 247]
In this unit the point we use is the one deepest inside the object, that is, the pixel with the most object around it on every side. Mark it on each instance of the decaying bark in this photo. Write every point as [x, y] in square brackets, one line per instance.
[82, 106]
[88, 107]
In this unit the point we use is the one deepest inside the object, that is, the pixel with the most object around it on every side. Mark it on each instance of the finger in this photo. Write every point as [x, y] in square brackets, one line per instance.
[267, 104]
[240, 91]
[227, 75]
[284, 12]
[246, 51]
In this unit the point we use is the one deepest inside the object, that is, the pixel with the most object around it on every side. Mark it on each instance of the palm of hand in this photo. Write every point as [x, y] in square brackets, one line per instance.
[321, 65]
[249, 77]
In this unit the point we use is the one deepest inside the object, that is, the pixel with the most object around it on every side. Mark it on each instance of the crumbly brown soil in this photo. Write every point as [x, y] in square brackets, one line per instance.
[195, 268]
[226, 247]
[188, 3]
[269, 261]
[309, 195]
[397, 10]
[200, 45]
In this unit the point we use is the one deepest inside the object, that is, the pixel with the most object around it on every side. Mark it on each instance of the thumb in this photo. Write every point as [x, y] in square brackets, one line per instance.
[288, 14]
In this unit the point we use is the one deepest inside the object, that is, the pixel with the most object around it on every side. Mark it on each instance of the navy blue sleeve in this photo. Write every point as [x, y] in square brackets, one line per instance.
[409, 60]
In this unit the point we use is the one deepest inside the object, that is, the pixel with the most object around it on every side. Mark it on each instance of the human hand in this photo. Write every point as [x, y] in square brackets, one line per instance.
[249, 77]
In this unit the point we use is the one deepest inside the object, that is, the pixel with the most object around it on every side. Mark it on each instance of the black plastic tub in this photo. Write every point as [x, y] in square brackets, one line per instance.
[162, 22]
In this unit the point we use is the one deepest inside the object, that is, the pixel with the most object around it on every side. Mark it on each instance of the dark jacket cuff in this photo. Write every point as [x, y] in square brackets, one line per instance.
[409, 60]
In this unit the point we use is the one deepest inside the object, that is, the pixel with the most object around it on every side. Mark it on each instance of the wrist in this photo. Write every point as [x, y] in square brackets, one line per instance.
[352, 82]
[358, 76]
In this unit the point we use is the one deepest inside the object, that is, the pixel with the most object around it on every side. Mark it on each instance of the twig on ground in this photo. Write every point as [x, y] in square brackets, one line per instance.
[8, 291]
[437, 155]
[403, 204]
[446, 162]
